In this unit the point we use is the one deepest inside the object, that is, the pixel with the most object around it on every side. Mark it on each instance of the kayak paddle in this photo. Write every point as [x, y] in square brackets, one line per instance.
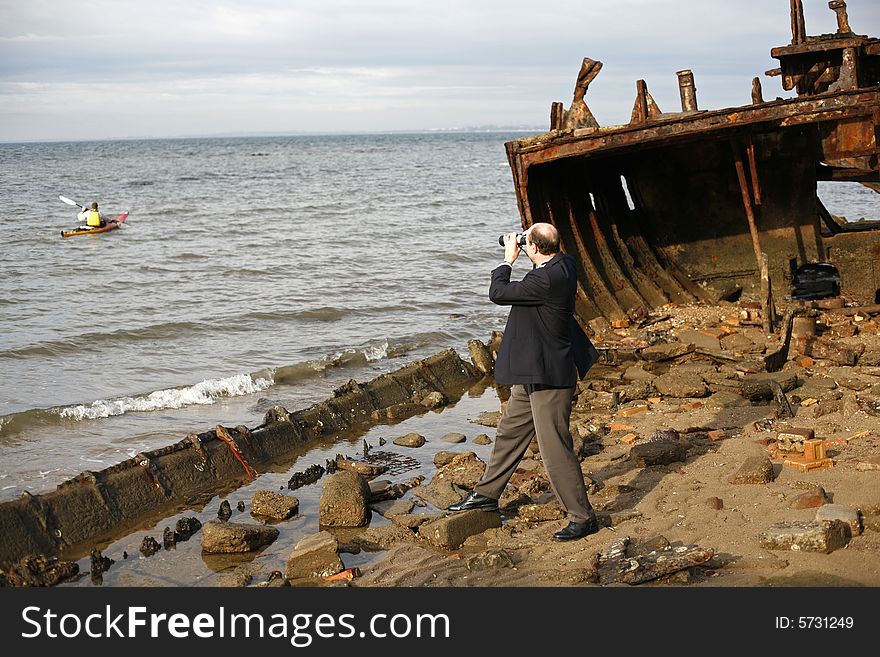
[64, 199]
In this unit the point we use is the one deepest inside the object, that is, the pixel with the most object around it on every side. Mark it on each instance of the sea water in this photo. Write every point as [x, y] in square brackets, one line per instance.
[250, 272]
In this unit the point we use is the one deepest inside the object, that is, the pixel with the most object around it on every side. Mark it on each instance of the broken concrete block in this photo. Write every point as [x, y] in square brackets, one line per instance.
[314, 556]
[755, 470]
[451, 531]
[808, 536]
[454, 437]
[846, 514]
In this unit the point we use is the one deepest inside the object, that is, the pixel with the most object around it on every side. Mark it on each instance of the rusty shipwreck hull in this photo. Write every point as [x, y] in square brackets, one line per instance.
[678, 207]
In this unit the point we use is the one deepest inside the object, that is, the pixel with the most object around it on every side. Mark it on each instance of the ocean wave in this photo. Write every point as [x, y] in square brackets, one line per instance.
[161, 331]
[204, 392]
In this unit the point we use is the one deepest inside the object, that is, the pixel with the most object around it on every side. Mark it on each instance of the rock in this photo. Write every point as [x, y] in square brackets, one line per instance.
[225, 511]
[454, 438]
[715, 503]
[368, 470]
[434, 399]
[314, 556]
[638, 373]
[755, 470]
[412, 521]
[410, 440]
[675, 384]
[237, 579]
[344, 501]
[37, 570]
[185, 528]
[150, 546]
[659, 452]
[229, 537]
[169, 540]
[488, 418]
[490, 559]
[451, 531]
[384, 537]
[441, 493]
[481, 357]
[809, 500]
[463, 470]
[843, 513]
[814, 536]
[482, 439]
[869, 463]
[700, 340]
[726, 399]
[443, 458]
[756, 387]
[393, 508]
[540, 512]
[665, 351]
[274, 505]
[871, 522]
[739, 344]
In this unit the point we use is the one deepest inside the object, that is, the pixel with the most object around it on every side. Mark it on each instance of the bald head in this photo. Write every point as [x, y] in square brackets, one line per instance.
[545, 237]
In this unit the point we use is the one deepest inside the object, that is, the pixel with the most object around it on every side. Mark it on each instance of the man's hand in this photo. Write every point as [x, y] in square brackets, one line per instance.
[511, 248]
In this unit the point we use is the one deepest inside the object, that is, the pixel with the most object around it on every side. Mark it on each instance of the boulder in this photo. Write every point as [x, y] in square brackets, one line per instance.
[274, 505]
[410, 440]
[344, 501]
[232, 537]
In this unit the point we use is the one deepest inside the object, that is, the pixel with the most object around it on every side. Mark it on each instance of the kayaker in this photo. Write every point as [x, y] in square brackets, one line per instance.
[91, 217]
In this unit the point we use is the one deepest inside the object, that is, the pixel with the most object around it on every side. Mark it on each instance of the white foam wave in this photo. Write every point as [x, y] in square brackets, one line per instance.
[377, 352]
[204, 392]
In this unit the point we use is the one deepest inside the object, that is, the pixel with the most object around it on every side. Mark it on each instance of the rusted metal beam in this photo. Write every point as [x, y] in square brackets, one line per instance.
[746, 199]
[753, 171]
[798, 27]
[757, 96]
[687, 91]
[839, 7]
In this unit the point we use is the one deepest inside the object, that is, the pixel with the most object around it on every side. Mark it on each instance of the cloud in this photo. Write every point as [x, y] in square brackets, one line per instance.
[370, 64]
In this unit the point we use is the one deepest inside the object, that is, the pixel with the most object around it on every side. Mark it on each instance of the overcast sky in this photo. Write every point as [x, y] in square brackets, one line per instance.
[76, 69]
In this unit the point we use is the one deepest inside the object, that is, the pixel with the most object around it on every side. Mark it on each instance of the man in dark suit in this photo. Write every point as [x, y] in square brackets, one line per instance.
[542, 355]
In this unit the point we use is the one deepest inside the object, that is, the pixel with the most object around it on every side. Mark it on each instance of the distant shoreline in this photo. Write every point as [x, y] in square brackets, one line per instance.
[267, 135]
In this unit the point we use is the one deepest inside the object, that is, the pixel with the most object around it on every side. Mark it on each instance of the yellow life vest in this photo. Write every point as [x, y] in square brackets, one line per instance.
[93, 218]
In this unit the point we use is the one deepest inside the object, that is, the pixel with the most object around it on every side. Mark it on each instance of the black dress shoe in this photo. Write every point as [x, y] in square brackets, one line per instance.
[577, 530]
[475, 501]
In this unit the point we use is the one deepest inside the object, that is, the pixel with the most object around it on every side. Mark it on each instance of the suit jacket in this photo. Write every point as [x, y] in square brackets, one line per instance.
[543, 343]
